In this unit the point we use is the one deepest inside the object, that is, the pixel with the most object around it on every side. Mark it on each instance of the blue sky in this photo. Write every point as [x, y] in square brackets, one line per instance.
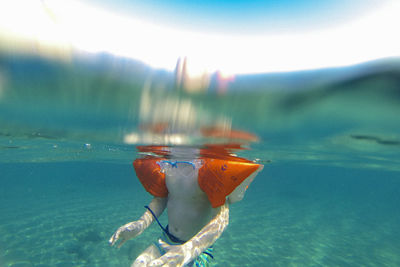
[239, 16]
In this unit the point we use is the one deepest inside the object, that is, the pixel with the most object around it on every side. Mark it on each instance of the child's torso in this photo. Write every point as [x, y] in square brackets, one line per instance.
[188, 206]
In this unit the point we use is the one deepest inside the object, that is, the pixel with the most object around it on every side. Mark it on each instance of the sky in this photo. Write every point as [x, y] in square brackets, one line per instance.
[241, 16]
[234, 37]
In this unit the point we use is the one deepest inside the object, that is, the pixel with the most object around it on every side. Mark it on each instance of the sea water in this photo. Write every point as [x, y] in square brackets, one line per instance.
[329, 139]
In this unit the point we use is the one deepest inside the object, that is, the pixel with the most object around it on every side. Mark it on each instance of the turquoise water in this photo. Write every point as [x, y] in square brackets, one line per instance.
[329, 139]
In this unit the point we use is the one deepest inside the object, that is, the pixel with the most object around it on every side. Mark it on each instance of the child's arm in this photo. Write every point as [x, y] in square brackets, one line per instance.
[135, 228]
[187, 252]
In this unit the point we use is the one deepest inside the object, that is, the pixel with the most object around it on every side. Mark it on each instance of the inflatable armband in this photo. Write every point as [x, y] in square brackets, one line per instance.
[149, 173]
[218, 178]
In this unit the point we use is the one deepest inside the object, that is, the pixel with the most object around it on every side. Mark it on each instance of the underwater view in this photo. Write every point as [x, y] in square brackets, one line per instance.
[328, 139]
[186, 133]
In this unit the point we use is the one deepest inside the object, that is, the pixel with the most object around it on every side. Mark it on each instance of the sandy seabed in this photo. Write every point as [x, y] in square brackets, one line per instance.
[70, 224]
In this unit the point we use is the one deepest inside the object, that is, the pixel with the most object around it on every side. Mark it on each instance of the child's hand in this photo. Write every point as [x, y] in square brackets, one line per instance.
[126, 232]
[175, 256]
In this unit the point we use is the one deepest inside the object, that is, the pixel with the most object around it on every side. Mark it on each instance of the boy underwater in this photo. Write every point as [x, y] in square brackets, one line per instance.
[197, 193]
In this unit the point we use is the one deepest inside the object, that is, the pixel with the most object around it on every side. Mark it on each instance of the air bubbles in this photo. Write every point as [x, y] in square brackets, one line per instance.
[87, 146]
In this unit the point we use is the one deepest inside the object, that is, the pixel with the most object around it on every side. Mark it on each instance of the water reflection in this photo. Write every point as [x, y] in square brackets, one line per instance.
[105, 100]
[193, 78]
[172, 115]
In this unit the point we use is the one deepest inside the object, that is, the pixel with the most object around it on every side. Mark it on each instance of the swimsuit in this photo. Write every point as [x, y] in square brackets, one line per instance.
[203, 260]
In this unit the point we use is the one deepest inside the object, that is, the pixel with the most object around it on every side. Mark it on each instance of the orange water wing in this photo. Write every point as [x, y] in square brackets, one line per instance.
[151, 177]
[218, 177]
